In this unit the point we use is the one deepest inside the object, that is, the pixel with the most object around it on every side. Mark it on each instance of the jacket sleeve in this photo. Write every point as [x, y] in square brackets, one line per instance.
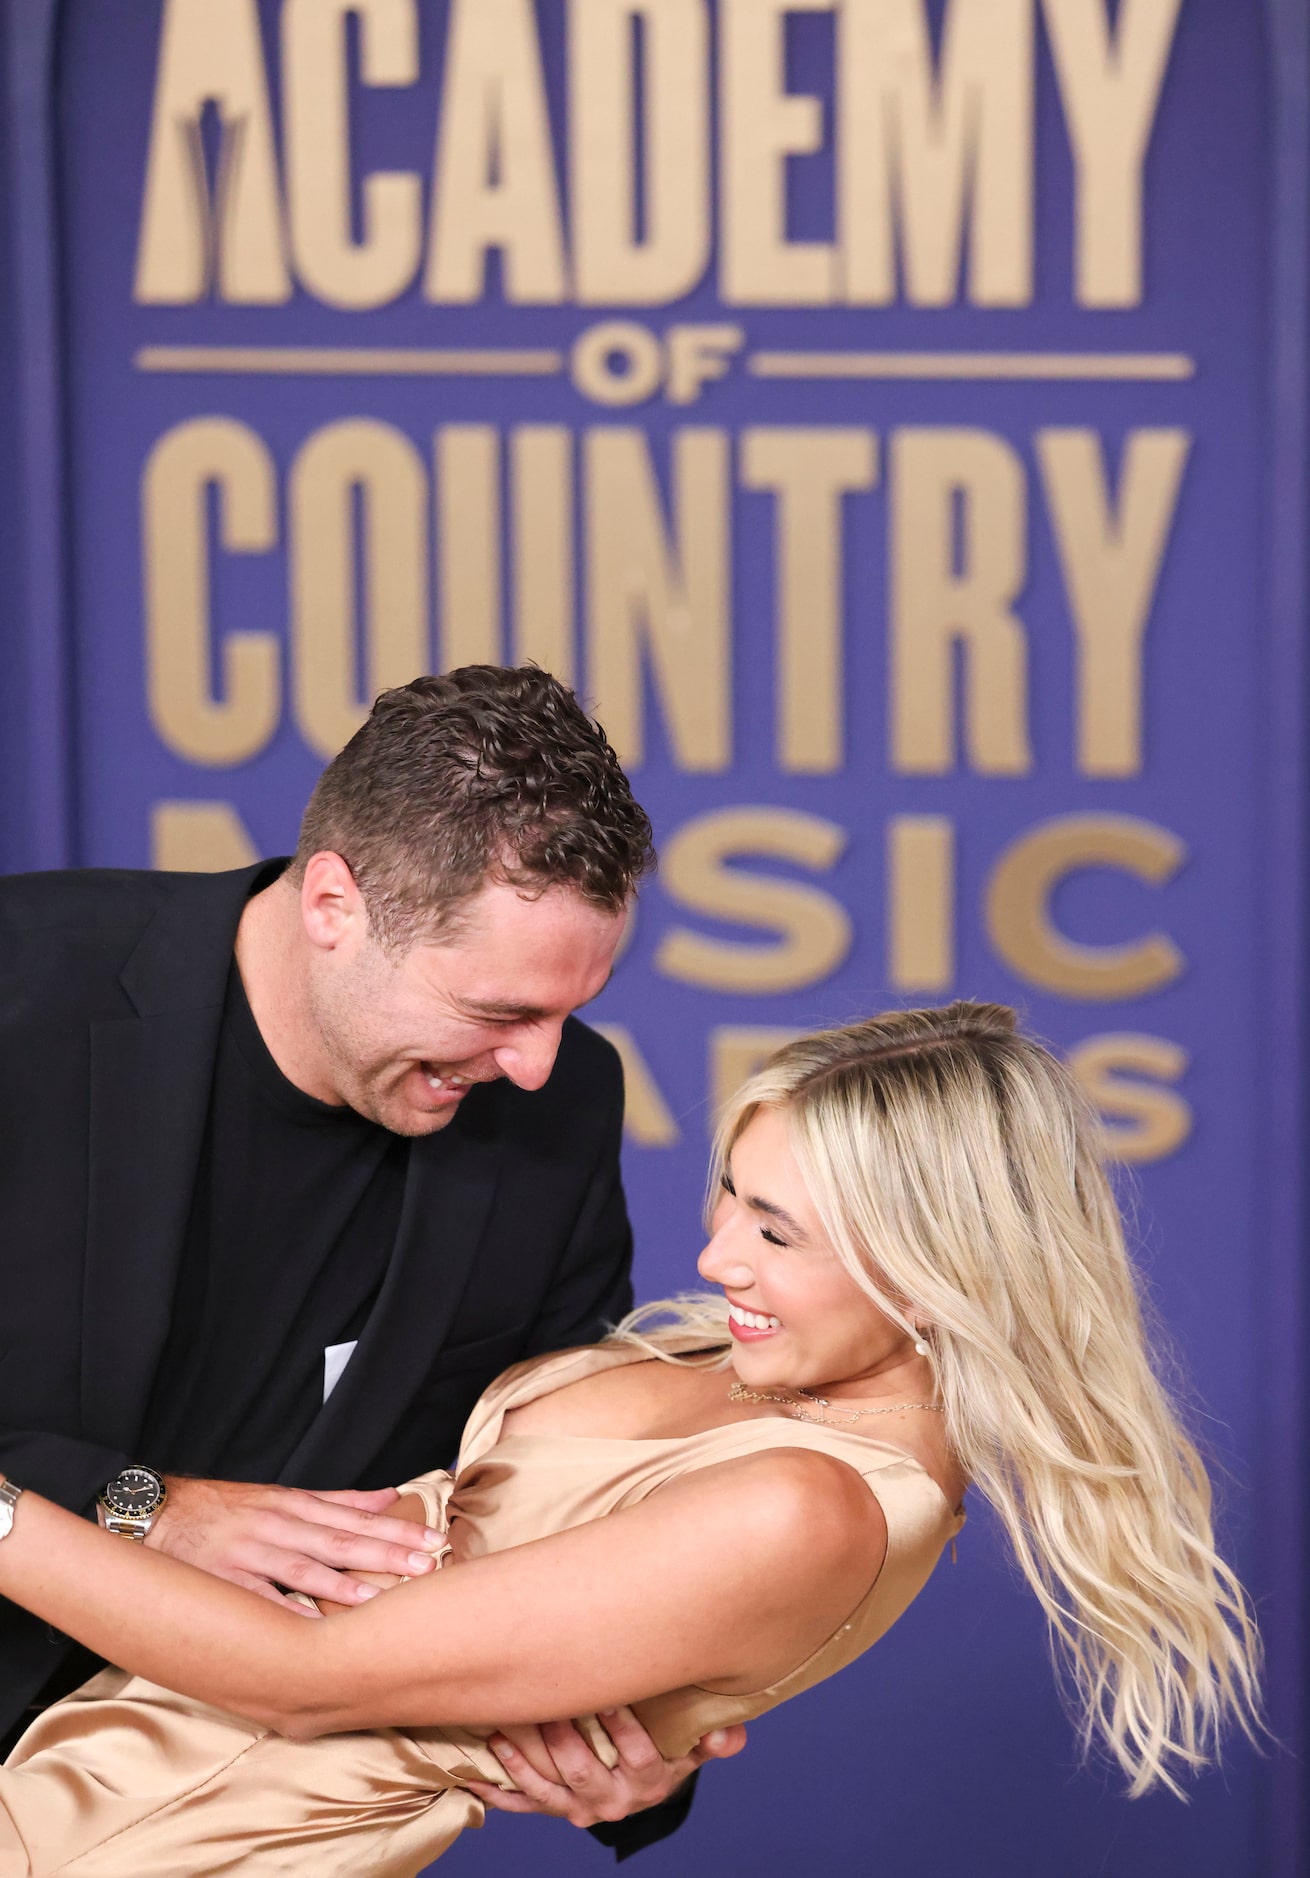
[626, 1836]
[61, 1468]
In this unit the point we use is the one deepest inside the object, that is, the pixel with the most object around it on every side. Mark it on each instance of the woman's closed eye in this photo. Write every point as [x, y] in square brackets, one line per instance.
[725, 1182]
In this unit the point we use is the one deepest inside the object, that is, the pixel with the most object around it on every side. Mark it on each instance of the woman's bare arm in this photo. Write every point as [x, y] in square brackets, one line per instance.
[727, 1578]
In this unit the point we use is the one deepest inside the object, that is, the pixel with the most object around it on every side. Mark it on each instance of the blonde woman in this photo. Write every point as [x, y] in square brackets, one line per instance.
[922, 1286]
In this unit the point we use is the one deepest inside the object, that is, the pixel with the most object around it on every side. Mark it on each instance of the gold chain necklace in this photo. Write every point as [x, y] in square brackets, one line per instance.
[738, 1392]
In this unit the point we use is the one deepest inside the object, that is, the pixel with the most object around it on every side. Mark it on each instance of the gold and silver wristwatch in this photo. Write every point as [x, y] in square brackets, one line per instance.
[131, 1502]
[10, 1495]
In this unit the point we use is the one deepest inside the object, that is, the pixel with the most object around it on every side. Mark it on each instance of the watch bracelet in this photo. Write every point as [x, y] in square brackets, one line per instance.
[10, 1494]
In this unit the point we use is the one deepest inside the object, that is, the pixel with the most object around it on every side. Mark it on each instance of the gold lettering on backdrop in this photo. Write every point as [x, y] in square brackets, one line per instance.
[958, 563]
[541, 458]
[357, 464]
[468, 544]
[933, 158]
[921, 902]
[736, 1051]
[617, 363]
[210, 52]
[808, 472]
[648, 1120]
[1111, 554]
[810, 931]
[316, 127]
[697, 355]
[214, 731]
[1122, 1076]
[612, 264]
[495, 170]
[762, 125]
[915, 147]
[1017, 906]
[199, 838]
[649, 598]
[1110, 92]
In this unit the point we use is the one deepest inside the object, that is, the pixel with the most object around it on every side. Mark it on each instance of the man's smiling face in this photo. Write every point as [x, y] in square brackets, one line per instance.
[402, 1039]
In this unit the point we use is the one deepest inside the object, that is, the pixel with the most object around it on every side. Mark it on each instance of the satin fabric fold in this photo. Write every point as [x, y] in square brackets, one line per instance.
[126, 1780]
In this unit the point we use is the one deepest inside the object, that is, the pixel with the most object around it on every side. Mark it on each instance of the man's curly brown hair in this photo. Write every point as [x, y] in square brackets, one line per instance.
[488, 772]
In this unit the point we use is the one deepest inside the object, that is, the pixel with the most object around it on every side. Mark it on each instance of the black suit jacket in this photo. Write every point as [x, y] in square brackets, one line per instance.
[513, 1238]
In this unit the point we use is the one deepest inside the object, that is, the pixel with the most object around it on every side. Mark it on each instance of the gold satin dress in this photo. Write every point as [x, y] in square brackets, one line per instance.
[125, 1780]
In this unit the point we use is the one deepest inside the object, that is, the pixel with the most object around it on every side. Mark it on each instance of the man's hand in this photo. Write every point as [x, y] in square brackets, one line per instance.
[557, 1773]
[277, 1539]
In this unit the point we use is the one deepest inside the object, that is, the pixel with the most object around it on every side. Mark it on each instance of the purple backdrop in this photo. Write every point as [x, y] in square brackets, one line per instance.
[946, 1750]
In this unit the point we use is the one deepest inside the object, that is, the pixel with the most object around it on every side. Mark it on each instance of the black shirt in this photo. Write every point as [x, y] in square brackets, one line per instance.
[293, 1221]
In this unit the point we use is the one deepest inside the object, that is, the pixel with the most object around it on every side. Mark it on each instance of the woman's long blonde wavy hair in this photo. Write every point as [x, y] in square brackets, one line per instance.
[959, 1175]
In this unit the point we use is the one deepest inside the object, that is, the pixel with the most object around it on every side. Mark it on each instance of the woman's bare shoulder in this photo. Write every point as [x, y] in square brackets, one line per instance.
[805, 1501]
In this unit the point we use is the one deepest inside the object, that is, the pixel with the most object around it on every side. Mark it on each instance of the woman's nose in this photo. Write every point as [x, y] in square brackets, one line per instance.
[722, 1263]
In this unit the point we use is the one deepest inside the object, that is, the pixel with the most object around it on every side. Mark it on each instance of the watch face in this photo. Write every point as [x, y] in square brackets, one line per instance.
[135, 1493]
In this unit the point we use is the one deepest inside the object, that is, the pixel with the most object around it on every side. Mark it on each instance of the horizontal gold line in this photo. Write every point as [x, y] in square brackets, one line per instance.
[352, 361]
[1012, 365]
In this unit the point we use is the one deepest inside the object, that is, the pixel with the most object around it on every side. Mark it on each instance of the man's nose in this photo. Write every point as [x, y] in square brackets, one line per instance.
[528, 1057]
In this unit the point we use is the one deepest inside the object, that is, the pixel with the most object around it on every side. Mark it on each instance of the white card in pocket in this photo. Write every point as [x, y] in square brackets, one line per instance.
[335, 1358]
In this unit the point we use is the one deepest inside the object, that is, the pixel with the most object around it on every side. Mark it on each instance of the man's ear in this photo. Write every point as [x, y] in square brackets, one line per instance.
[331, 904]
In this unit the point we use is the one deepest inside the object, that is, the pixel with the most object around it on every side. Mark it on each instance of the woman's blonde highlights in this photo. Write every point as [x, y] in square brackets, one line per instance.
[959, 1174]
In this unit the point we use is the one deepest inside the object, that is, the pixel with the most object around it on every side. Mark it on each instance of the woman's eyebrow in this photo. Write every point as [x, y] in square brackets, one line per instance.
[784, 1218]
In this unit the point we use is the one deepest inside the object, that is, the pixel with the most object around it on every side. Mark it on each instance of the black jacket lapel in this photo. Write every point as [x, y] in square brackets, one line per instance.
[448, 1194]
[150, 1086]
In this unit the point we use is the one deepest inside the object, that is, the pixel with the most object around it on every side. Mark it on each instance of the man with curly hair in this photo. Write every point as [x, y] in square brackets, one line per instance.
[300, 1157]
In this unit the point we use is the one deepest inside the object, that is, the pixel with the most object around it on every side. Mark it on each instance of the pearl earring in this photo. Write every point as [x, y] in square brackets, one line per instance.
[921, 1347]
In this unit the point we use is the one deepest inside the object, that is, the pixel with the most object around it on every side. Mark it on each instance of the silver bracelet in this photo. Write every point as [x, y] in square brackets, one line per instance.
[10, 1495]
